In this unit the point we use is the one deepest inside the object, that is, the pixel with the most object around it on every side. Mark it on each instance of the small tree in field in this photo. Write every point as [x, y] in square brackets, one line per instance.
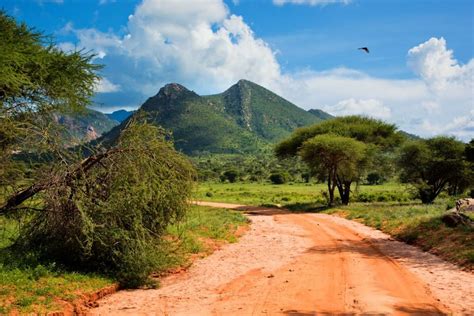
[341, 150]
[339, 159]
[433, 164]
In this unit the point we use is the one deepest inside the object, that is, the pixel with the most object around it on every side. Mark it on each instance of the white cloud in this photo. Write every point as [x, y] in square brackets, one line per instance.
[369, 107]
[178, 40]
[460, 126]
[430, 106]
[435, 64]
[105, 86]
[202, 45]
[310, 2]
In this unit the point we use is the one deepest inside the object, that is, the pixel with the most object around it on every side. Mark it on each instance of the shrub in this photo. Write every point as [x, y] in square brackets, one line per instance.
[230, 175]
[111, 218]
[374, 178]
[278, 178]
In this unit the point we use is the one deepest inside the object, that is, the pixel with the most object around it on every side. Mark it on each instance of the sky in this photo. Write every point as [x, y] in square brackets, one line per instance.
[419, 73]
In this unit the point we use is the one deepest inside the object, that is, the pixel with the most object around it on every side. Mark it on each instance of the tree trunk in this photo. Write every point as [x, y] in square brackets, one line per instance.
[346, 193]
[330, 191]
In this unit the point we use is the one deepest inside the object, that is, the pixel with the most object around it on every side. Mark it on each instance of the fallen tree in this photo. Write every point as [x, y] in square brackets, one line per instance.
[107, 213]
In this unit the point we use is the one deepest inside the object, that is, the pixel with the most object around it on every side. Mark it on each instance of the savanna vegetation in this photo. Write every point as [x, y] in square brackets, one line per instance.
[76, 219]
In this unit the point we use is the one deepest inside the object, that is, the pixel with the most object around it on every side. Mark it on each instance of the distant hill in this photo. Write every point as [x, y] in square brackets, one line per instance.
[120, 115]
[85, 126]
[321, 114]
[243, 119]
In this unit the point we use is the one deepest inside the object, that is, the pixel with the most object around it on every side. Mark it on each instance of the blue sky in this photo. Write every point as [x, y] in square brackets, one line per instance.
[419, 73]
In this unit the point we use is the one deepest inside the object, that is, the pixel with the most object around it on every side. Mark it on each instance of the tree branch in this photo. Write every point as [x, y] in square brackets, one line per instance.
[75, 174]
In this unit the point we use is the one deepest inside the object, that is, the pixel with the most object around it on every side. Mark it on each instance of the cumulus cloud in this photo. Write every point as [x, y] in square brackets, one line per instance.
[205, 47]
[310, 2]
[105, 86]
[435, 64]
[190, 42]
[369, 107]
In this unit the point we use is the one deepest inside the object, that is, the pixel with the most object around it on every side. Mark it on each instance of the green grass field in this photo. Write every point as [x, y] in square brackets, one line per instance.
[29, 287]
[289, 194]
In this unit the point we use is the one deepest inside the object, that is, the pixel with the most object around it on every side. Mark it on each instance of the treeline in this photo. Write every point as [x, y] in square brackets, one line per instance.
[250, 168]
[346, 150]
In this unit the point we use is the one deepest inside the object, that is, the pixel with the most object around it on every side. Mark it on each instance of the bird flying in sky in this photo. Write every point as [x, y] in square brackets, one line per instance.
[365, 49]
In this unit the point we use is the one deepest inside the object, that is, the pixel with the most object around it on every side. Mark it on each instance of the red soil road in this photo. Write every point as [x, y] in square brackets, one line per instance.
[306, 264]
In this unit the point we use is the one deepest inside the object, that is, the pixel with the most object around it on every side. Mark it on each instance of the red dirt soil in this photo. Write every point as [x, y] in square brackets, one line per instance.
[305, 264]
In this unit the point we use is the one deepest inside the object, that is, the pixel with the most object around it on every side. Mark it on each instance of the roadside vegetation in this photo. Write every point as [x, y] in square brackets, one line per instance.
[417, 224]
[30, 286]
[390, 207]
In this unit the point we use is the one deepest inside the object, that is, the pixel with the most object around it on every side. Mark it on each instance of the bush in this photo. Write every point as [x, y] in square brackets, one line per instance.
[374, 178]
[278, 178]
[111, 218]
[230, 175]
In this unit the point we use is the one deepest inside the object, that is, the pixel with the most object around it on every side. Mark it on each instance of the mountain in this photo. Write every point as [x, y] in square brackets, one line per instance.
[245, 118]
[84, 126]
[321, 114]
[120, 115]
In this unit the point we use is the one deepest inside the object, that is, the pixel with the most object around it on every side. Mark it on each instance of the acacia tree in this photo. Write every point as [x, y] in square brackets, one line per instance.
[37, 79]
[105, 212]
[433, 164]
[339, 159]
[351, 146]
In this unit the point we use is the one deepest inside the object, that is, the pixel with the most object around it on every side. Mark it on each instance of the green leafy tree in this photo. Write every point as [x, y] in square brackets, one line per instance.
[369, 140]
[230, 175]
[433, 164]
[37, 79]
[279, 177]
[107, 213]
[339, 159]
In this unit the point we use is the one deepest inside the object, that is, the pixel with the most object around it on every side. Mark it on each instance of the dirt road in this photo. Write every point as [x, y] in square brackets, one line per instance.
[306, 264]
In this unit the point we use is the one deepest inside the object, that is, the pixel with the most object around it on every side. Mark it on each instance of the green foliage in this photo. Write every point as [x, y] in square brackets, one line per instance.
[254, 168]
[36, 80]
[374, 178]
[230, 175]
[111, 219]
[364, 129]
[341, 150]
[279, 178]
[431, 165]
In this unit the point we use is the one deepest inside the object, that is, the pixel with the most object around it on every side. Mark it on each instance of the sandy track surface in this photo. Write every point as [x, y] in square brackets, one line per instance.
[305, 264]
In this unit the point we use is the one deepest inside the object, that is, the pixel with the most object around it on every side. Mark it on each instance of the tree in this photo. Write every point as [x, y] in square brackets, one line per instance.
[336, 158]
[230, 175]
[374, 178]
[37, 79]
[107, 213]
[433, 164]
[378, 137]
[278, 177]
